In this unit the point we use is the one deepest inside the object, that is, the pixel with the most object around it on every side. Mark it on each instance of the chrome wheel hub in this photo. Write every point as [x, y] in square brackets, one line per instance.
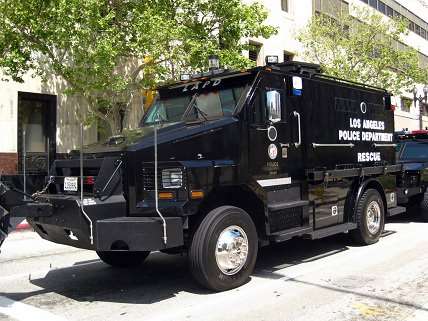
[373, 217]
[232, 250]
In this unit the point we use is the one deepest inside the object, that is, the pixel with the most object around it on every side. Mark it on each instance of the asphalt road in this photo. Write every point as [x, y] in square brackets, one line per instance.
[329, 279]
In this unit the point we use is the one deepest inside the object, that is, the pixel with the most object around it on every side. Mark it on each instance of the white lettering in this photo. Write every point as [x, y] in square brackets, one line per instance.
[376, 137]
[354, 123]
[196, 86]
[369, 157]
[206, 84]
[349, 135]
[373, 124]
[216, 82]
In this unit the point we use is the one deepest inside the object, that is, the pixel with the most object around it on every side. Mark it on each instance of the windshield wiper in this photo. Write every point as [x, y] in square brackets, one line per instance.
[194, 105]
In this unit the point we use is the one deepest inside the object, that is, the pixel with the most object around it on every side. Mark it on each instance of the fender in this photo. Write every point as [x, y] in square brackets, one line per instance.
[357, 191]
[373, 183]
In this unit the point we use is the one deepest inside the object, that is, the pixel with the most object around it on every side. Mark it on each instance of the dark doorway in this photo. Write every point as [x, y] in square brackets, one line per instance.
[36, 132]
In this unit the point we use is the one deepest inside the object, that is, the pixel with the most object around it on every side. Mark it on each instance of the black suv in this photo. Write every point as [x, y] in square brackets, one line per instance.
[412, 152]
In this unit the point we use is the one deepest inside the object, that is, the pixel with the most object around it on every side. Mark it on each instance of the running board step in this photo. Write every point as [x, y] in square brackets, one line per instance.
[286, 205]
[396, 210]
[284, 236]
[328, 231]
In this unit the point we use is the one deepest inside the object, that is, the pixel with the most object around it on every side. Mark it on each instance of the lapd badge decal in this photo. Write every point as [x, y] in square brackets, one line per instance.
[272, 151]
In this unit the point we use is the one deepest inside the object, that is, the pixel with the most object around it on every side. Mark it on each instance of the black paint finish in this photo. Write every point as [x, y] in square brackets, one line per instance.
[226, 157]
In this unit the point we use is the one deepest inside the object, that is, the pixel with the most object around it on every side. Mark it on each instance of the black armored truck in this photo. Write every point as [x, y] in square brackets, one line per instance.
[224, 163]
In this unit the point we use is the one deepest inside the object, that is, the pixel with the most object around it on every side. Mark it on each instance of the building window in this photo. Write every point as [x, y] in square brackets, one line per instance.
[253, 53]
[389, 11]
[381, 7]
[284, 5]
[373, 3]
[397, 15]
[406, 103]
[288, 56]
[331, 8]
[417, 30]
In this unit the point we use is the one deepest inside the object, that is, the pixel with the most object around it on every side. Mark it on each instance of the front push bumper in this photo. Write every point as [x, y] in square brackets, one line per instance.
[60, 219]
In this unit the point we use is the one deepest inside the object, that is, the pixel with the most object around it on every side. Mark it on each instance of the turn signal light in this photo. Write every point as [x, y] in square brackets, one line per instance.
[166, 195]
[89, 180]
[196, 194]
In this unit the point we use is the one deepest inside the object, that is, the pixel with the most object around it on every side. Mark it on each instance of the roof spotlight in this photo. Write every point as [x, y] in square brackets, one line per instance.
[271, 60]
[213, 62]
[185, 77]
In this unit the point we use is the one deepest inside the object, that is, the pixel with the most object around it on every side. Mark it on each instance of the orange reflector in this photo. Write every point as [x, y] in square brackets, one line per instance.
[196, 194]
[166, 195]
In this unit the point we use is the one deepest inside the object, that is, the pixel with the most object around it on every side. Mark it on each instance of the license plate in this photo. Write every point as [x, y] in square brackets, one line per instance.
[70, 184]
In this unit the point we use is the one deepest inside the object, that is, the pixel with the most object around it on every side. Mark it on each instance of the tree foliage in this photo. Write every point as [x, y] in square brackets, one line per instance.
[364, 47]
[107, 51]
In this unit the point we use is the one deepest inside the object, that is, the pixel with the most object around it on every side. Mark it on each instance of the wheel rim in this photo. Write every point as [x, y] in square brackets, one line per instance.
[232, 250]
[373, 217]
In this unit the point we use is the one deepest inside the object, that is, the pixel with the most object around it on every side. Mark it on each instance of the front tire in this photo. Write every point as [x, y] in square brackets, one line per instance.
[123, 259]
[370, 218]
[224, 249]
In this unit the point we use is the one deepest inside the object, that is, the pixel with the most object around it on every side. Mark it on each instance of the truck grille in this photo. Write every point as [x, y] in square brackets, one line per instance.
[149, 178]
[71, 168]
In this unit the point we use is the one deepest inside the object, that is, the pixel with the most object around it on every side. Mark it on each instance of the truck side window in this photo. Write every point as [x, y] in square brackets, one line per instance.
[273, 104]
[267, 106]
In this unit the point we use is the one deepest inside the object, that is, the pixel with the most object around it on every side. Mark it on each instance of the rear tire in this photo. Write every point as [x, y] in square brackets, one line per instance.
[224, 249]
[123, 259]
[370, 218]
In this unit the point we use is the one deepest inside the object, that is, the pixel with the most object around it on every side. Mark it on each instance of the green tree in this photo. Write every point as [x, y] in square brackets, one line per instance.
[364, 47]
[107, 51]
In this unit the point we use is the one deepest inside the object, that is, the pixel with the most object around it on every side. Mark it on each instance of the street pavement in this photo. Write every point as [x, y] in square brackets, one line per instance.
[329, 279]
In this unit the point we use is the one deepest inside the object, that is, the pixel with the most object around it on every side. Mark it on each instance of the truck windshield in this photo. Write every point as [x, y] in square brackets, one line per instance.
[207, 104]
[167, 110]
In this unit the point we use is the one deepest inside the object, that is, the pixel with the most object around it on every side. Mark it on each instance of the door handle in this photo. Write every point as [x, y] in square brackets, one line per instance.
[299, 142]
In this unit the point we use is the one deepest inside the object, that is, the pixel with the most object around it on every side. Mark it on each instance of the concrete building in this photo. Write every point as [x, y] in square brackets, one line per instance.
[38, 118]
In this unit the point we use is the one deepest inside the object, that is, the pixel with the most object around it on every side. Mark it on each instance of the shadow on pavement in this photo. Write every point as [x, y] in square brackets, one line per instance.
[163, 276]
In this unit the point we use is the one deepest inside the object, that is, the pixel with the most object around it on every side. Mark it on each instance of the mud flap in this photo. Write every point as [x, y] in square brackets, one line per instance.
[4, 225]
[9, 198]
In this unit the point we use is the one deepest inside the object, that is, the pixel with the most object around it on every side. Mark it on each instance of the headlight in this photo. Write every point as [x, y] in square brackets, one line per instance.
[172, 178]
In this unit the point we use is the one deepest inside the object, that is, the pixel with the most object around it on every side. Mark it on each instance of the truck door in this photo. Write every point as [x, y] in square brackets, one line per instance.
[274, 135]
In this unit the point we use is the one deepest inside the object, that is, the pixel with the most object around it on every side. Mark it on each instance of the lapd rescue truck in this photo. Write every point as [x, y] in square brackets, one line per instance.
[223, 164]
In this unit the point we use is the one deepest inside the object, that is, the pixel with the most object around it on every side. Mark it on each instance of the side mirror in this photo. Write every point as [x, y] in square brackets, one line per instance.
[273, 104]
